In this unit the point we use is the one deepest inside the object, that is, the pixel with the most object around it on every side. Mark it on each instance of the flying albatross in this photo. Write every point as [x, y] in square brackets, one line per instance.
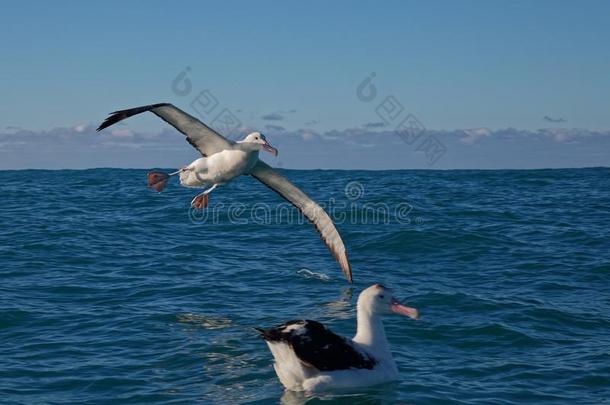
[223, 160]
[309, 357]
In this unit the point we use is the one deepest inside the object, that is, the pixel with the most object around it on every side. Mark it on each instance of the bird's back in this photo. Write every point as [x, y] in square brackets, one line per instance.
[307, 354]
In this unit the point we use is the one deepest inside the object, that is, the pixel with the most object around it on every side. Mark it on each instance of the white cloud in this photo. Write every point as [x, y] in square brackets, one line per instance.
[475, 134]
[564, 135]
[122, 133]
[308, 136]
[80, 128]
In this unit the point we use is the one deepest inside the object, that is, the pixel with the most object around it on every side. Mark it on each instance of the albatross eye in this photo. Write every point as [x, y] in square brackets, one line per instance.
[380, 296]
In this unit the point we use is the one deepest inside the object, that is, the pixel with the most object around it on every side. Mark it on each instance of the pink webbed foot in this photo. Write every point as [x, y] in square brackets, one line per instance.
[201, 201]
[157, 180]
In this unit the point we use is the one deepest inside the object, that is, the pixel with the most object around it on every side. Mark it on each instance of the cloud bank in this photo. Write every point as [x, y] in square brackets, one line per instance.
[355, 148]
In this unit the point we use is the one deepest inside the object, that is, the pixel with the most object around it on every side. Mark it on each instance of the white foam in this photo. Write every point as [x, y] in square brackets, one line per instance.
[312, 274]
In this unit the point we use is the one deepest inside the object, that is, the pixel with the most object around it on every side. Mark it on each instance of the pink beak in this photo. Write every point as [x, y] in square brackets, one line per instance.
[270, 149]
[397, 307]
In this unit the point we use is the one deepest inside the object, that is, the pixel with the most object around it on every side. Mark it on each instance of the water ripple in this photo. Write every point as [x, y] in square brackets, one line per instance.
[113, 294]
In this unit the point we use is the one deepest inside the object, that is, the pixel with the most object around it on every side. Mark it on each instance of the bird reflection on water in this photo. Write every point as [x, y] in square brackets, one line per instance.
[341, 308]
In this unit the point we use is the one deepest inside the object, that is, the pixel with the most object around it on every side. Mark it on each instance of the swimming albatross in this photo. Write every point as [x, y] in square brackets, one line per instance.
[223, 160]
[309, 357]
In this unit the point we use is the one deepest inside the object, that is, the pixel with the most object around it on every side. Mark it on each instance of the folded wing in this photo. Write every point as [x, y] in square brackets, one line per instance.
[316, 346]
[312, 211]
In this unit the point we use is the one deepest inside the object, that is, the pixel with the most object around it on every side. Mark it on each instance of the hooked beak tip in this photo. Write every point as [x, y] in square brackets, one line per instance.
[270, 149]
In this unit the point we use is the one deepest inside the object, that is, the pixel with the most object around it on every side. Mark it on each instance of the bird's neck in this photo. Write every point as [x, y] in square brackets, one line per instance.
[371, 333]
[249, 147]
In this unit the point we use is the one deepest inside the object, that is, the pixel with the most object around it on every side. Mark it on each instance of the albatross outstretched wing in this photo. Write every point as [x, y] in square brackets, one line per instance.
[312, 211]
[203, 138]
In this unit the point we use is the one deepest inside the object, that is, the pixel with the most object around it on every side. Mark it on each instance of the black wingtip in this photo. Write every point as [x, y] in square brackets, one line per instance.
[107, 122]
[262, 332]
[122, 114]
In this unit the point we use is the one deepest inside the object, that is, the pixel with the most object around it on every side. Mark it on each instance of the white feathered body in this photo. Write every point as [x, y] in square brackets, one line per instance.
[219, 168]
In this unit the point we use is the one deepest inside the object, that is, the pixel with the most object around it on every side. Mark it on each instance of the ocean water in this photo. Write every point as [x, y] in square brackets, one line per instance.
[111, 293]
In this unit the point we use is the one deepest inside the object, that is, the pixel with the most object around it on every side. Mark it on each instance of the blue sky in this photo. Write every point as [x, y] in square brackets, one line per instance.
[453, 65]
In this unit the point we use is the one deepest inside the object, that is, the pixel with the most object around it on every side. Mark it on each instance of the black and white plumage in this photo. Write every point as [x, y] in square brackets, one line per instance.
[310, 357]
[223, 160]
[318, 347]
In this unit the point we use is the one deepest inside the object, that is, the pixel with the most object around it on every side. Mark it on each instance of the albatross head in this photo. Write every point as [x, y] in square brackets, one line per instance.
[378, 300]
[260, 141]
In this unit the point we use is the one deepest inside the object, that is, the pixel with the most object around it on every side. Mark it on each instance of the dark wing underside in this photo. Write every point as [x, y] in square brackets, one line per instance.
[318, 347]
[312, 211]
[200, 136]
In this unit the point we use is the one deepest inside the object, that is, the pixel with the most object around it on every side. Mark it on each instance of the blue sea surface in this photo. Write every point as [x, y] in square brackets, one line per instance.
[112, 293]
